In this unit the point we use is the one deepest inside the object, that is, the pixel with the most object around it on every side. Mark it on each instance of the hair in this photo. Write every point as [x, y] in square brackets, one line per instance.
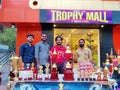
[43, 33]
[58, 37]
[82, 40]
[30, 35]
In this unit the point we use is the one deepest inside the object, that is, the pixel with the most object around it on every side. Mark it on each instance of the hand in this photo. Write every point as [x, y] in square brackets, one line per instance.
[38, 65]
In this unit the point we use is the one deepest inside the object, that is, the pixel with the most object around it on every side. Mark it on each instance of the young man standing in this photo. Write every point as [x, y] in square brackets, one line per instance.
[60, 54]
[83, 54]
[26, 51]
[42, 51]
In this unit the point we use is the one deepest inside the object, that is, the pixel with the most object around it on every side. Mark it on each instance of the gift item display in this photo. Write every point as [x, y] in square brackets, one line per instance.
[25, 75]
[54, 72]
[85, 71]
[68, 73]
[112, 63]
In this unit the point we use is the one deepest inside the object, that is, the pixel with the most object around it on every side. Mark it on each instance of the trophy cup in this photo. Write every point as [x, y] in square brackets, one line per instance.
[22, 67]
[40, 75]
[68, 73]
[28, 66]
[54, 72]
[30, 75]
[105, 76]
[15, 61]
[99, 73]
[33, 66]
[47, 70]
[15, 66]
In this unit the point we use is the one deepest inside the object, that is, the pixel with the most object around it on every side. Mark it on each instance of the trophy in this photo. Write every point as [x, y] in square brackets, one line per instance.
[8, 86]
[15, 61]
[32, 66]
[105, 76]
[22, 68]
[68, 53]
[16, 75]
[28, 66]
[99, 73]
[30, 75]
[54, 72]
[40, 75]
[47, 70]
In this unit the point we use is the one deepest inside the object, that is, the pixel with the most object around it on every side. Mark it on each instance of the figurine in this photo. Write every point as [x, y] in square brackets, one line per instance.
[99, 76]
[47, 70]
[28, 66]
[22, 67]
[40, 72]
[54, 72]
[105, 76]
[32, 66]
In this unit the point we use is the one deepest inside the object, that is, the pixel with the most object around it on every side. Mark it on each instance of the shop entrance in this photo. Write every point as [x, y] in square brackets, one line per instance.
[72, 35]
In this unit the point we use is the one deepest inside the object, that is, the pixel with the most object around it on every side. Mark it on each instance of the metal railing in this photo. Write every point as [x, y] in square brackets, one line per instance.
[6, 57]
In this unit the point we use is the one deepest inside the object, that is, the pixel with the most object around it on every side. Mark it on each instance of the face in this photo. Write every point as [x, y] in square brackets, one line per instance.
[59, 41]
[44, 37]
[30, 39]
[81, 43]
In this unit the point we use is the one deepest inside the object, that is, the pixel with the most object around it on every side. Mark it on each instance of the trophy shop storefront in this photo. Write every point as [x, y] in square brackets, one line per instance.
[93, 26]
[76, 24]
[72, 33]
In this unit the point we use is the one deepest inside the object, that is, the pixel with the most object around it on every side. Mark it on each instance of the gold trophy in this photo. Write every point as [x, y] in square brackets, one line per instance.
[40, 75]
[14, 63]
[47, 70]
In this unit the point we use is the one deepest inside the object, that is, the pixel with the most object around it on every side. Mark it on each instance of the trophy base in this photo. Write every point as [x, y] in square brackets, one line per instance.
[86, 79]
[91, 79]
[82, 79]
[47, 78]
[30, 78]
[68, 76]
[105, 79]
[78, 79]
[20, 79]
[25, 79]
[99, 80]
[94, 79]
[40, 79]
[54, 76]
